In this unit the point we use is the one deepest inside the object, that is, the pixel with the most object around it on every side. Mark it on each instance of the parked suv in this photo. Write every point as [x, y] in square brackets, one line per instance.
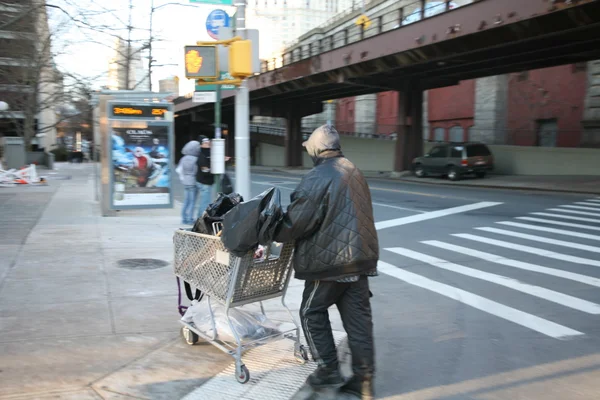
[455, 160]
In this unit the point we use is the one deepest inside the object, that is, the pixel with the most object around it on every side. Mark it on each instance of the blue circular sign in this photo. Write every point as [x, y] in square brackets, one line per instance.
[216, 19]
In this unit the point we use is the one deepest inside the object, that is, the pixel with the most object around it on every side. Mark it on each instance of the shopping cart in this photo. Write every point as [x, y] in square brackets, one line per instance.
[203, 262]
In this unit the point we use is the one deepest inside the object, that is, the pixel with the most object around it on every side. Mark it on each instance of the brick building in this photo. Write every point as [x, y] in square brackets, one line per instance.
[551, 107]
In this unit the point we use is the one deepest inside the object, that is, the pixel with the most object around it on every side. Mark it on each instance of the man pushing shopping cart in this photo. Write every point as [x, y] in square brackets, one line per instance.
[328, 235]
[330, 218]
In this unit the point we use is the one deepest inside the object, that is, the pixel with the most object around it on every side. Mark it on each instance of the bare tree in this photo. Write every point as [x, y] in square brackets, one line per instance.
[29, 79]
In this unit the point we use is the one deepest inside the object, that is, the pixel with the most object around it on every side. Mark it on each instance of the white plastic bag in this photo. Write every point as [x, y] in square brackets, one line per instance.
[179, 171]
[249, 326]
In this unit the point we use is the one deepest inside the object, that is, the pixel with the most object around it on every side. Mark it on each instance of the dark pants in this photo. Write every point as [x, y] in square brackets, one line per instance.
[353, 303]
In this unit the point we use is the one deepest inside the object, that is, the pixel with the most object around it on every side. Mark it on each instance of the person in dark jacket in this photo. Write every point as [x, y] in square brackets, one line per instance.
[204, 176]
[330, 218]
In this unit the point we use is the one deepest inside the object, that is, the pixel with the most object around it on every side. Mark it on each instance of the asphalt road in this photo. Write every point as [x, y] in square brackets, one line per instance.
[483, 293]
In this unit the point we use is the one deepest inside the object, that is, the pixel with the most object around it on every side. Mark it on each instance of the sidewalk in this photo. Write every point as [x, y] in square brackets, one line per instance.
[584, 184]
[77, 324]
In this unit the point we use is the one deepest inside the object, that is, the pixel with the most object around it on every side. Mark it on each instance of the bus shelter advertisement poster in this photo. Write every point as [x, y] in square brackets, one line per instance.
[140, 162]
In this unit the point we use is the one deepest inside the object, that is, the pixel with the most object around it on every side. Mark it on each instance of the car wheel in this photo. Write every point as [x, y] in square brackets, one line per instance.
[453, 174]
[420, 171]
[480, 174]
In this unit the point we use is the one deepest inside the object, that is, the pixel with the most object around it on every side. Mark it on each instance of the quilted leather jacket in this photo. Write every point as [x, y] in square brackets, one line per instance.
[330, 216]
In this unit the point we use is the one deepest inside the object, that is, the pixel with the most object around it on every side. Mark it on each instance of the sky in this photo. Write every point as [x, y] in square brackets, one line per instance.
[87, 53]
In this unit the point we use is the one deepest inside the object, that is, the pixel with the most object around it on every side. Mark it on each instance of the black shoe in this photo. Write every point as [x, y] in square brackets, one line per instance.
[361, 388]
[326, 377]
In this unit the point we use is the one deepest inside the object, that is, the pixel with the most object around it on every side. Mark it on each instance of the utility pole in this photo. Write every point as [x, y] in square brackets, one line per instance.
[150, 48]
[242, 118]
[128, 56]
[218, 129]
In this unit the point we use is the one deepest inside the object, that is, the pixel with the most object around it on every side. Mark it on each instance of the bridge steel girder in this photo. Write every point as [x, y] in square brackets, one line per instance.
[530, 34]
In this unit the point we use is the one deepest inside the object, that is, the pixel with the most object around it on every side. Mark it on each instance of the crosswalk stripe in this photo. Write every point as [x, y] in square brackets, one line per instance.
[594, 200]
[561, 223]
[567, 217]
[542, 239]
[537, 291]
[588, 280]
[583, 203]
[591, 214]
[530, 321]
[531, 250]
[580, 207]
[550, 230]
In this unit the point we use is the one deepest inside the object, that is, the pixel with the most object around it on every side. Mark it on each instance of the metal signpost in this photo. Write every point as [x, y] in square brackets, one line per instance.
[242, 61]
[140, 146]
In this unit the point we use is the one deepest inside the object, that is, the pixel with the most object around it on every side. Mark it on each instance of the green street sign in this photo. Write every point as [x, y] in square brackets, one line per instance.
[214, 2]
[211, 88]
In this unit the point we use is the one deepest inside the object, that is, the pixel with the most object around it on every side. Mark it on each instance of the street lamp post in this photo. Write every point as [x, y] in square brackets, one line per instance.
[151, 39]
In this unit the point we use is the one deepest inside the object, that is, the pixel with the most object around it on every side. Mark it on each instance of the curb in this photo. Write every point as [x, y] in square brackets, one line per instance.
[491, 186]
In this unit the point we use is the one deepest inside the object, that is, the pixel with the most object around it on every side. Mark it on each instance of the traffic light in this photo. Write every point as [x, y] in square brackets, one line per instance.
[240, 59]
[201, 62]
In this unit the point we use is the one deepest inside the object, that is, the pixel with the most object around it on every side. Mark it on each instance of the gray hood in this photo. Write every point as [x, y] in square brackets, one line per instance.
[322, 139]
[191, 149]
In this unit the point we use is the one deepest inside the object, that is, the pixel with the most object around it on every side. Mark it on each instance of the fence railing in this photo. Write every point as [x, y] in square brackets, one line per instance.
[394, 18]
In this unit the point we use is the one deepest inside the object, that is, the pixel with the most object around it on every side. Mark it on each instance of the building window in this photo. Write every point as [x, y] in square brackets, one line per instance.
[456, 134]
[547, 132]
[438, 134]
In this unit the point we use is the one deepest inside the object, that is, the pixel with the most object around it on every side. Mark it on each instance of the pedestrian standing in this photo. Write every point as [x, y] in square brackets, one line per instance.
[330, 219]
[204, 177]
[187, 170]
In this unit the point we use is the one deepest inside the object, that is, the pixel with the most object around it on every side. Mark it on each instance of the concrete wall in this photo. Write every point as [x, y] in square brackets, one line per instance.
[367, 154]
[378, 155]
[269, 155]
[591, 116]
[490, 110]
[365, 110]
[525, 160]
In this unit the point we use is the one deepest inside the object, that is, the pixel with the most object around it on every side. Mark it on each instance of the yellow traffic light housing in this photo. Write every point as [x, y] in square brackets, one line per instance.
[240, 59]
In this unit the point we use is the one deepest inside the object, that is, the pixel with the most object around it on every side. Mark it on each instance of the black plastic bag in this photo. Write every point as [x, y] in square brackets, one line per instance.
[242, 224]
[216, 211]
[270, 217]
[226, 185]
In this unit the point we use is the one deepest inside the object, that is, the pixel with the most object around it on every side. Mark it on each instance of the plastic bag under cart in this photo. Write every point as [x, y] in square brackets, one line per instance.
[231, 282]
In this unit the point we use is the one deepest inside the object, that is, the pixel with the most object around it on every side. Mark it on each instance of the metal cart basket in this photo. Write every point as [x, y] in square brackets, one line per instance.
[203, 262]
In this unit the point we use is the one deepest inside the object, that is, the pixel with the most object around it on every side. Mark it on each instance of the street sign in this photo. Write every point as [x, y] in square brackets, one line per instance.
[201, 62]
[204, 97]
[215, 20]
[211, 88]
[214, 2]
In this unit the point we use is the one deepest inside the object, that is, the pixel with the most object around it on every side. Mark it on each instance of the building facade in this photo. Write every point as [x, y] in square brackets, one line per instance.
[127, 73]
[550, 107]
[169, 85]
[29, 80]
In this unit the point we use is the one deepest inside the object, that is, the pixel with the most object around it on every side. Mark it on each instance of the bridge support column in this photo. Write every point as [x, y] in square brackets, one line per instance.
[293, 140]
[409, 127]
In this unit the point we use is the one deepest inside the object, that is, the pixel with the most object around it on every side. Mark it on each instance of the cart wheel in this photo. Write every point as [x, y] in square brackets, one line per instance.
[190, 337]
[301, 355]
[243, 375]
